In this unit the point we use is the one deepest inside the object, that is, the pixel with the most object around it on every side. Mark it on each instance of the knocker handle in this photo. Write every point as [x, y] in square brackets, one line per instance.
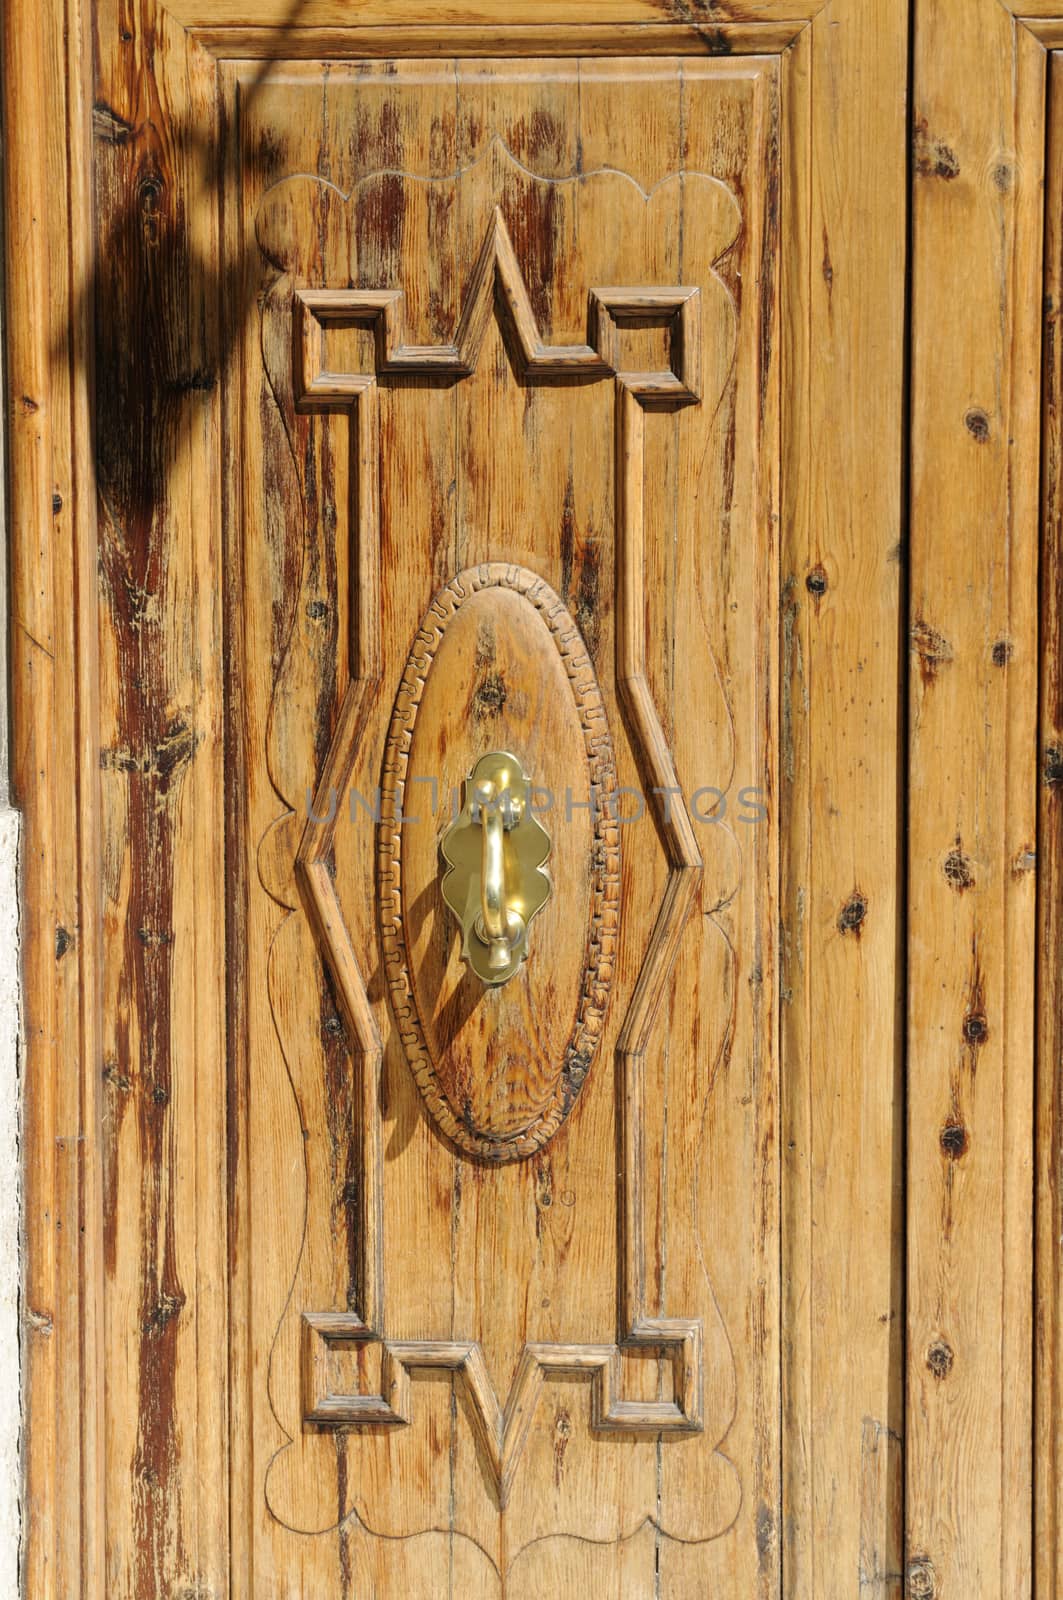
[498, 926]
[494, 854]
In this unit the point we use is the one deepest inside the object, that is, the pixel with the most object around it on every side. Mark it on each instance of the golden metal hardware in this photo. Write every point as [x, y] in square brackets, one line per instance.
[494, 852]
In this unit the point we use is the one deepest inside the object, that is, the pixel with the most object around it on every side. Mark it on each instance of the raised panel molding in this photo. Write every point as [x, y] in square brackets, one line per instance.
[498, 287]
[356, 1342]
[529, 29]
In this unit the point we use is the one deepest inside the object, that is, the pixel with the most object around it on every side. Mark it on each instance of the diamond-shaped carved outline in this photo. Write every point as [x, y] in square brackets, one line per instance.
[498, 285]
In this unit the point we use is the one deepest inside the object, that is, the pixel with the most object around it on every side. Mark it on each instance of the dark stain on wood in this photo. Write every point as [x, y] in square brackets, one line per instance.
[108, 126]
[922, 1579]
[959, 868]
[153, 353]
[932, 649]
[977, 424]
[165, 1310]
[1052, 767]
[853, 913]
[562, 1434]
[827, 266]
[161, 760]
[1003, 650]
[567, 538]
[343, 1532]
[954, 1140]
[341, 1139]
[544, 1191]
[531, 214]
[765, 1535]
[939, 1359]
[816, 584]
[769, 261]
[975, 1028]
[576, 1067]
[933, 157]
[489, 696]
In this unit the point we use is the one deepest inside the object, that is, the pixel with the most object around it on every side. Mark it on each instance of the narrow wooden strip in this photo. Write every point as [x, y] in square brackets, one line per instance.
[86, 652]
[841, 1084]
[632, 1264]
[365, 607]
[973, 743]
[1028, 11]
[545, 27]
[1048, 1393]
[29, 444]
[1046, 30]
[630, 521]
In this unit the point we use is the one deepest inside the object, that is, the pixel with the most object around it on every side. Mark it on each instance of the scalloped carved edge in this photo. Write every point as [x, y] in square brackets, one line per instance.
[600, 958]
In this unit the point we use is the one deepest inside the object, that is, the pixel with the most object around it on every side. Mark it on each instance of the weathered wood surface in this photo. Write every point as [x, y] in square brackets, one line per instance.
[1048, 1128]
[976, 317]
[842, 1018]
[245, 1148]
[477, 1268]
[155, 287]
[54, 763]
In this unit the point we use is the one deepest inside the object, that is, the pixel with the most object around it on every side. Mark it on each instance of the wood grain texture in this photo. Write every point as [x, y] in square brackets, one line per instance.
[51, 528]
[33, 600]
[499, 40]
[1048, 1129]
[495, 1103]
[977, 216]
[586, 1350]
[507, 462]
[154, 294]
[443, 15]
[842, 1018]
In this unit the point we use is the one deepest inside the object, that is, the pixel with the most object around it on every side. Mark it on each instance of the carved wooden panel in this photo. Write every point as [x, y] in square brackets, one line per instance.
[391, 383]
[494, 1100]
[506, 435]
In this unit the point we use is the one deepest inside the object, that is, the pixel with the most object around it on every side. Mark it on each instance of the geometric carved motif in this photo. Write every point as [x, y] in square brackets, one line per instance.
[597, 976]
[497, 286]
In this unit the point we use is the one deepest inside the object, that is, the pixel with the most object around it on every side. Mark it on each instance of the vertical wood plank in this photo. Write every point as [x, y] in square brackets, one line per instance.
[156, 287]
[978, 161]
[80, 1505]
[56, 779]
[1048, 1390]
[842, 1024]
[26, 325]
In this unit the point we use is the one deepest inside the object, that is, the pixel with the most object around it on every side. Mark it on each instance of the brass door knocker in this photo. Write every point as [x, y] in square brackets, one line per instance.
[494, 852]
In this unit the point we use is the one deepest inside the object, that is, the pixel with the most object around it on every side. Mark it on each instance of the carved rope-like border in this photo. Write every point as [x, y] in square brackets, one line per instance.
[600, 958]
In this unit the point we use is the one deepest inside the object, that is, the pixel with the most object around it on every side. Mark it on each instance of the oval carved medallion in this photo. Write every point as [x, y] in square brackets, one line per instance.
[499, 663]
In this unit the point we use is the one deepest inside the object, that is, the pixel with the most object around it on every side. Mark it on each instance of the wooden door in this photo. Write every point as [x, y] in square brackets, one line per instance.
[391, 385]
